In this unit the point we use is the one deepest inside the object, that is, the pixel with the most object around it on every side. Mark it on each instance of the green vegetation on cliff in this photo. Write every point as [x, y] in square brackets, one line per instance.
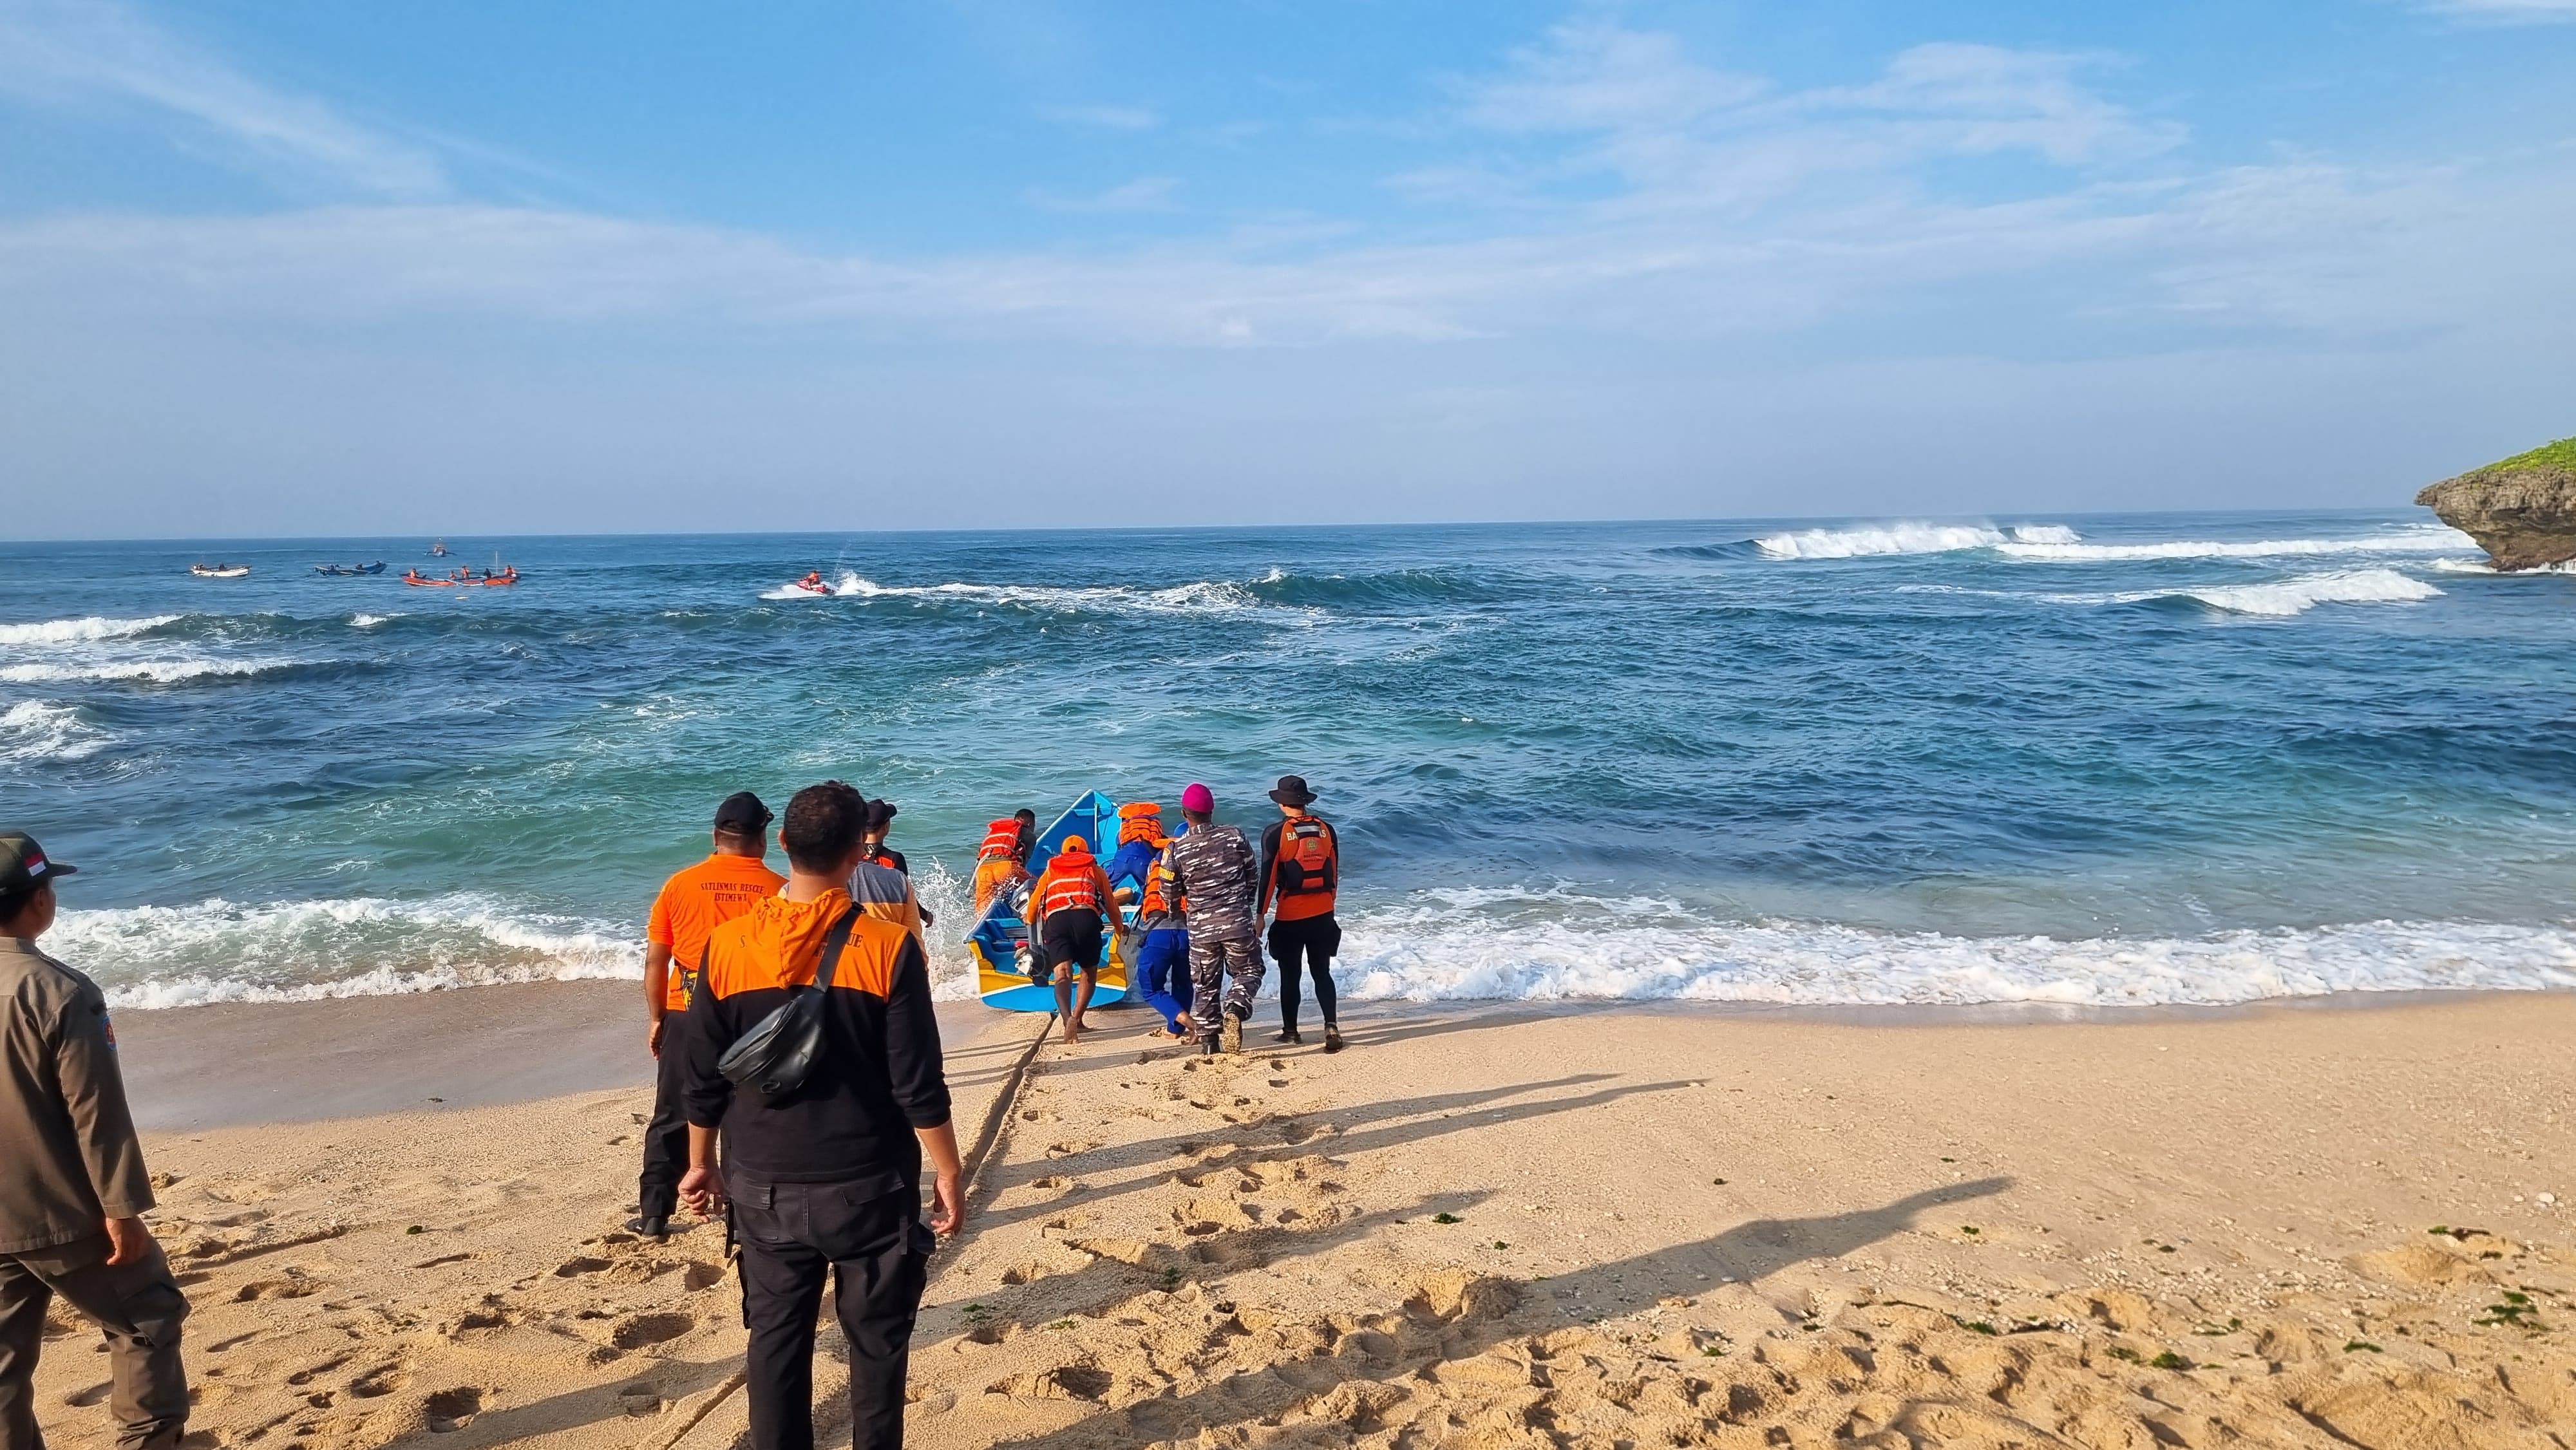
[2561, 454]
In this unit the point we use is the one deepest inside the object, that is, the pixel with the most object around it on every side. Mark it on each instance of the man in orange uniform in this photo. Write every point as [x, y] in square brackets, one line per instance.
[1070, 915]
[824, 1181]
[1002, 861]
[1301, 866]
[692, 905]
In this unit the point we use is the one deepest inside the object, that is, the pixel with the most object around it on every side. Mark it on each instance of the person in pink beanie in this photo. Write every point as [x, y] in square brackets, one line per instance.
[1220, 878]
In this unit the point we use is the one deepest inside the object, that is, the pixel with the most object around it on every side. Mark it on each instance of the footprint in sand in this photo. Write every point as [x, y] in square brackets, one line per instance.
[648, 1329]
[639, 1400]
[383, 1380]
[84, 1398]
[702, 1276]
[449, 1411]
[302, 1376]
[574, 1268]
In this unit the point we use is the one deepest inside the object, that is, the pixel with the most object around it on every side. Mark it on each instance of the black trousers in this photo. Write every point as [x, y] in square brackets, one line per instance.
[872, 1243]
[1313, 940]
[138, 1305]
[666, 1137]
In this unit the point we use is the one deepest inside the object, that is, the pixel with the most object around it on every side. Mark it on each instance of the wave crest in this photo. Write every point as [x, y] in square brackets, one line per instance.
[2281, 598]
[89, 630]
[2425, 539]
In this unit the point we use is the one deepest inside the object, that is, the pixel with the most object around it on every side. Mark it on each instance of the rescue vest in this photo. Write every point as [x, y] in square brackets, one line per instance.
[1309, 864]
[1162, 886]
[1001, 841]
[1139, 821]
[1070, 884]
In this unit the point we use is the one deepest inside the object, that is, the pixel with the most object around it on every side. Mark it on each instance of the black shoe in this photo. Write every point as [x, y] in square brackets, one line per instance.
[1332, 1039]
[1207, 1047]
[1293, 1037]
[651, 1225]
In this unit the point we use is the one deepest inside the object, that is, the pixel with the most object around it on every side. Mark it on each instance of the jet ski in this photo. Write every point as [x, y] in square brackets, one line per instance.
[813, 584]
[220, 571]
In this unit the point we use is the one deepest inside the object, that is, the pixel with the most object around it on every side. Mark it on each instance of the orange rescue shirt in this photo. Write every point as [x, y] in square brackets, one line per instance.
[696, 901]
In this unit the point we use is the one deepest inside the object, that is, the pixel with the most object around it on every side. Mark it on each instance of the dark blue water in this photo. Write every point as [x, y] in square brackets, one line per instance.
[2133, 759]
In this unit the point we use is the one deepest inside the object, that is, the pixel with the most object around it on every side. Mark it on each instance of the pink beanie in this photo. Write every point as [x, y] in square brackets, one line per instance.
[1196, 797]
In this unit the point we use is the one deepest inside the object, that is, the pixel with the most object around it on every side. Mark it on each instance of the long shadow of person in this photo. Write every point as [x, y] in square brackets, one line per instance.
[1351, 1367]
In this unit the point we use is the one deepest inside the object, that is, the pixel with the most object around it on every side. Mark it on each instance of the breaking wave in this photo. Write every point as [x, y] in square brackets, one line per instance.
[2426, 539]
[80, 631]
[1202, 597]
[1447, 946]
[2281, 598]
[148, 671]
[219, 951]
[32, 732]
[1907, 539]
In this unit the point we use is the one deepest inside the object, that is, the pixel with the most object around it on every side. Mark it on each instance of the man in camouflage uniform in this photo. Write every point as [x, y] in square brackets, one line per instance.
[1218, 875]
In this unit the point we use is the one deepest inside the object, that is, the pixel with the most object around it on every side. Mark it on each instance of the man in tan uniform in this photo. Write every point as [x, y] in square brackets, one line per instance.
[74, 1190]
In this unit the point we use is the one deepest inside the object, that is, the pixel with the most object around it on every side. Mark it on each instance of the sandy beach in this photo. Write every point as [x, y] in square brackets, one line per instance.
[1504, 1227]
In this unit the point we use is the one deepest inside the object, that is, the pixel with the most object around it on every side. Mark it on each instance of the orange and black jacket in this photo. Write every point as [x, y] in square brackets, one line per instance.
[880, 1077]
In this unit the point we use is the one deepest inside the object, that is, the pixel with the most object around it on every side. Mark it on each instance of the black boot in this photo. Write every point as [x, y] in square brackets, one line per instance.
[651, 1226]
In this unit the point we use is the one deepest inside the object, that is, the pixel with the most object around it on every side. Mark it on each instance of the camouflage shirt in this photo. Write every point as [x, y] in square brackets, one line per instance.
[1218, 875]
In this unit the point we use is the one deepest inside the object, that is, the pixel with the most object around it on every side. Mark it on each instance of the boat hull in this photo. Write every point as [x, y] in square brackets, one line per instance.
[999, 934]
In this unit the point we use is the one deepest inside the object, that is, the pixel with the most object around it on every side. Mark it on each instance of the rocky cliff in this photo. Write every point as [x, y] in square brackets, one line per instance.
[2521, 511]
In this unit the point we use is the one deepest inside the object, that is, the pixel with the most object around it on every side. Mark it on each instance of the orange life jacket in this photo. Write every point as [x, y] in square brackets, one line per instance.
[1071, 884]
[1139, 821]
[1162, 886]
[1309, 862]
[1001, 840]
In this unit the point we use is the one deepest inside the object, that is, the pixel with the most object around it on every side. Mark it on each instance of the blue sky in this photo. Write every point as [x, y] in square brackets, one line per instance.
[420, 267]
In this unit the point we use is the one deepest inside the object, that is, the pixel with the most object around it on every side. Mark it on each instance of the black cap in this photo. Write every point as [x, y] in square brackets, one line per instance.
[881, 814]
[24, 865]
[1292, 792]
[742, 811]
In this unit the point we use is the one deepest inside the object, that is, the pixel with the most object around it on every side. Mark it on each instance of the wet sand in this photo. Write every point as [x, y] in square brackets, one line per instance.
[1518, 1227]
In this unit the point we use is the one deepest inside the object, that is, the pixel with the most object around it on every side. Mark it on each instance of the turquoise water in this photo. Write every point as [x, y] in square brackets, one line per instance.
[2154, 758]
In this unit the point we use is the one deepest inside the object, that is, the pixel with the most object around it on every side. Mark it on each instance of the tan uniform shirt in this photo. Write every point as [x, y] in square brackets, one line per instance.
[65, 1132]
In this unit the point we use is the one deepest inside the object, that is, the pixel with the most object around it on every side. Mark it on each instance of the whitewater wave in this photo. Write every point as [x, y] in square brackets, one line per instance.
[89, 630]
[2424, 539]
[1447, 946]
[2485, 566]
[369, 621]
[33, 732]
[1203, 597]
[221, 951]
[1882, 539]
[151, 671]
[2279, 599]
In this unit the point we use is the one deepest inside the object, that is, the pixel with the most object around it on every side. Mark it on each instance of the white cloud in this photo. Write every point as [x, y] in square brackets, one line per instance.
[73, 52]
[1144, 194]
[1106, 118]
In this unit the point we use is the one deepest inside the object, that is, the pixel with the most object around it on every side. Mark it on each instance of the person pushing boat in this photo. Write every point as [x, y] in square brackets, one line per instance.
[1001, 861]
[1213, 867]
[1070, 913]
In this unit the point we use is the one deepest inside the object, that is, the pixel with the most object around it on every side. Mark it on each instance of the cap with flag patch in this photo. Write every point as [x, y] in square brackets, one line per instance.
[24, 865]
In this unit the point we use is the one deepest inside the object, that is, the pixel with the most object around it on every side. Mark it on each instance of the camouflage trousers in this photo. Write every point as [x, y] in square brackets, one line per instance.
[1224, 966]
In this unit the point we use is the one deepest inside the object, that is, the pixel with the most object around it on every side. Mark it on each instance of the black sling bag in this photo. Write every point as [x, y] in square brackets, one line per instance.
[778, 1054]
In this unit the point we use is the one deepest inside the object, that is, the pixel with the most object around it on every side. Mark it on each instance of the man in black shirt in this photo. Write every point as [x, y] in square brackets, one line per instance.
[824, 1181]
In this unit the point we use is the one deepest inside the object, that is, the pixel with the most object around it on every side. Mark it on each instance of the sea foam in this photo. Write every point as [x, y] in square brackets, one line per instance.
[79, 631]
[1906, 539]
[34, 732]
[2425, 539]
[1449, 947]
[1202, 597]
[2281, 598]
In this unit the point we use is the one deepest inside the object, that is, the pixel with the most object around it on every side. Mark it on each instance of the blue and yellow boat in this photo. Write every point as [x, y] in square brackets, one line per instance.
[1000, 938]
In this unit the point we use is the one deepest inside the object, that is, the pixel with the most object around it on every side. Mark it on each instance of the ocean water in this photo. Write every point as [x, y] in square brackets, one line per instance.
[2086, 760]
